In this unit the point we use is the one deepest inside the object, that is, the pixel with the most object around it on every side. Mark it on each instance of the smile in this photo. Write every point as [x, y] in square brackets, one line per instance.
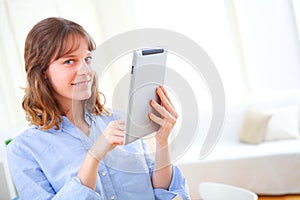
[83, 83]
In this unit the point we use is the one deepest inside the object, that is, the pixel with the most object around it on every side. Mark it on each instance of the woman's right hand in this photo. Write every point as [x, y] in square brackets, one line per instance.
[112, 136]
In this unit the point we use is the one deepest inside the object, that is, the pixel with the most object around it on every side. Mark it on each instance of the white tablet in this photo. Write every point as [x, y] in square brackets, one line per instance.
[147, 74]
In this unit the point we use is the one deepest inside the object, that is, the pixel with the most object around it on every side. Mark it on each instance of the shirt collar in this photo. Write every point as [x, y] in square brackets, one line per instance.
[89, 118]
[67, 126]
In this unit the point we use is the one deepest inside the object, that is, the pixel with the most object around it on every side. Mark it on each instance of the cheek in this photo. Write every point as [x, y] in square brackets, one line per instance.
[60, 79]
[55, 79]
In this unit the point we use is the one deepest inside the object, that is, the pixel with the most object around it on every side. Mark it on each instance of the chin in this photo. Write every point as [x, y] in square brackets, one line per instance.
[82, 97]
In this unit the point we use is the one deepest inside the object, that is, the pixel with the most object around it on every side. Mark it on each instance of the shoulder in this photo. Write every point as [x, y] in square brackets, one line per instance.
[27, 141]
[30, 134]
[18, 148]
[24, 136]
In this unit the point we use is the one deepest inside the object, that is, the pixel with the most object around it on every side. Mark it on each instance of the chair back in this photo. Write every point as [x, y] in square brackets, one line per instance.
[219, 191]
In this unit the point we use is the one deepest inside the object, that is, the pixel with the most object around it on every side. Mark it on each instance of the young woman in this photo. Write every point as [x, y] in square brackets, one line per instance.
[69, 152]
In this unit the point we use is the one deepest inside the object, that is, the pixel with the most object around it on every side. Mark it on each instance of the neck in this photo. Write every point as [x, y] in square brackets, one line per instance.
[75, 112]
[75, 115]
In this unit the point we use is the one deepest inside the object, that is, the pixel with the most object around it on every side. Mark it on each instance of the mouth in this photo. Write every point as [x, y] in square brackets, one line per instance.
[81, 83]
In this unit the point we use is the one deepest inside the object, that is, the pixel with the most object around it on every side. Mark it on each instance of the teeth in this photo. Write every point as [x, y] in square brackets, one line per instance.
[81, 84]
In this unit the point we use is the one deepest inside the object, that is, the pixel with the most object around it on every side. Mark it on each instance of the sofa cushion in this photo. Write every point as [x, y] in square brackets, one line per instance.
[284, 124]
[254, 126]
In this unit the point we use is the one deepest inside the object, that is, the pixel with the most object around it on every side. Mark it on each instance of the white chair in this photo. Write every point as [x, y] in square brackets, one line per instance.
[219, 191]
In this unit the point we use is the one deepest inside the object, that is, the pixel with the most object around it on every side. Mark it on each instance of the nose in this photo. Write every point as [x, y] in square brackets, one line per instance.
[84, 68]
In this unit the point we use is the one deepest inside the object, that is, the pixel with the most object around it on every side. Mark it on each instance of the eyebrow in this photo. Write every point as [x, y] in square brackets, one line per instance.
[72, 56]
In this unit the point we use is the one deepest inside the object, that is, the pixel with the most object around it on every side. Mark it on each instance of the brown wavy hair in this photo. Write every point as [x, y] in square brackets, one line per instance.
[47, 41]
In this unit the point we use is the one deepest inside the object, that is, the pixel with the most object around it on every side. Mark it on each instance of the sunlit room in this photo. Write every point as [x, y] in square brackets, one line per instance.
[137, 99]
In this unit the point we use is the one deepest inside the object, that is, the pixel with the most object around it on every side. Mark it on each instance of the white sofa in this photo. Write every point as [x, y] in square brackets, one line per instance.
[271, 167]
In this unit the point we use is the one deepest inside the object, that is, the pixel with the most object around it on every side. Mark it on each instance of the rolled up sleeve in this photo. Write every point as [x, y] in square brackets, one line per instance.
[178, 186]
[75, 190]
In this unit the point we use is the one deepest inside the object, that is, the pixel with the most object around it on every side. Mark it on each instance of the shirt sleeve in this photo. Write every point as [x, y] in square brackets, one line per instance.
[178, 185]
[31, 182]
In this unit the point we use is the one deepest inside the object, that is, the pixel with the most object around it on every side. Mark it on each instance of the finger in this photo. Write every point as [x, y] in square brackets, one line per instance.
[120, 121]
[120, 127]
[116, 141]
[163, 112]
[118, 133]
[118, 124]
[167, 104]
[166, 94]
[110, 136]
[156, 119]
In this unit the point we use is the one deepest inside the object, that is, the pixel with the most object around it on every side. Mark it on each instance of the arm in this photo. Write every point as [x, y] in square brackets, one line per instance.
[31, 179]
[167, 180]
[32, 183]
[162, 173]
[178, 186]
[88, 171]
[112, 136]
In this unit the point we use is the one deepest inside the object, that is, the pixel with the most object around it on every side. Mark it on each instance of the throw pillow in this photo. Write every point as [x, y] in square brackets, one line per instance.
[254, 127]
[284, 124]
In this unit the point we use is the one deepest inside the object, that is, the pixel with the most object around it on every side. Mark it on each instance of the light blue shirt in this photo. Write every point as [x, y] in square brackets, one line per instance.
[44, 165]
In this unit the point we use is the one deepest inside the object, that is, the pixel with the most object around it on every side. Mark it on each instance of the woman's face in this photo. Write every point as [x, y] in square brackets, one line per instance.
[71, 76]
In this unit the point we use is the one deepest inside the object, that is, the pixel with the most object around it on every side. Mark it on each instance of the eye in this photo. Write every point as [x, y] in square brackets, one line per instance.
[69, 62]
[88, 59]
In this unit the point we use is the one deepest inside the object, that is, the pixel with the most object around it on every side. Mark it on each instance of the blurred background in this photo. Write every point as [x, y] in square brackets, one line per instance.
[254, 44]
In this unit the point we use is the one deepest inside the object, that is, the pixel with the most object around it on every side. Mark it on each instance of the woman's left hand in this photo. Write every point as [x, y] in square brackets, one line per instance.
[167, 118]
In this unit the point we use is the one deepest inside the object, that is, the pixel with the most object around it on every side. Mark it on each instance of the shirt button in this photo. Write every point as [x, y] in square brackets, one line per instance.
[103, 173]
[112, 197]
